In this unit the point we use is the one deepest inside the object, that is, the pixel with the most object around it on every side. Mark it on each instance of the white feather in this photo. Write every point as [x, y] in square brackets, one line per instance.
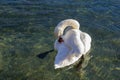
[76, 43]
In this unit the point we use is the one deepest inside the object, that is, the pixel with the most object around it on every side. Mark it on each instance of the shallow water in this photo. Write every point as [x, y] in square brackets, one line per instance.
[26, 30]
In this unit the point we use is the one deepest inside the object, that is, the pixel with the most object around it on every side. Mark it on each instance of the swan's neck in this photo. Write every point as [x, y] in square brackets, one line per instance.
[59, 30]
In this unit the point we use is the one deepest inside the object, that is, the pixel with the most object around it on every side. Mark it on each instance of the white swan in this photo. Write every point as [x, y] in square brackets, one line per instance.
[71, 43]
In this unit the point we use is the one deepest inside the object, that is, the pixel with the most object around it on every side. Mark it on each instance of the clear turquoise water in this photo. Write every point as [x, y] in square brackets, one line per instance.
[26, 30]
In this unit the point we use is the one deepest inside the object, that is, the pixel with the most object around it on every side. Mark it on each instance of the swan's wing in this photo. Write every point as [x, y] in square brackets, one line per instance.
[69, 51]
[86, 40]
[64, 56]
[61, 55]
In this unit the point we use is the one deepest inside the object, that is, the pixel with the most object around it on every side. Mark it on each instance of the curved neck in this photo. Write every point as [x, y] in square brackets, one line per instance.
[59, 30]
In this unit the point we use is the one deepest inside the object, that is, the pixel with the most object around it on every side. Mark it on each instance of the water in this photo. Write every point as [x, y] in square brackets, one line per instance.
[26, 30]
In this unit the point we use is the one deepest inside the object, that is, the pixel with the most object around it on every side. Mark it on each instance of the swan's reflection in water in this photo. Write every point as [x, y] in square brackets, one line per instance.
[82, 62]
[81, 65]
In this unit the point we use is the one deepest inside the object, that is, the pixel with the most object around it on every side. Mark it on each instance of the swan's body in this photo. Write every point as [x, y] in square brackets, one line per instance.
[75, 43]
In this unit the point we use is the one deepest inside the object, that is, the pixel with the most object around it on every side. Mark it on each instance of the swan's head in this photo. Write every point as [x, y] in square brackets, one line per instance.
[58, 32]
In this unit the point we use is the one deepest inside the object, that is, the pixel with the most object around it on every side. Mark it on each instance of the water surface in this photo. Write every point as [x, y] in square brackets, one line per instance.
[26, 30]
